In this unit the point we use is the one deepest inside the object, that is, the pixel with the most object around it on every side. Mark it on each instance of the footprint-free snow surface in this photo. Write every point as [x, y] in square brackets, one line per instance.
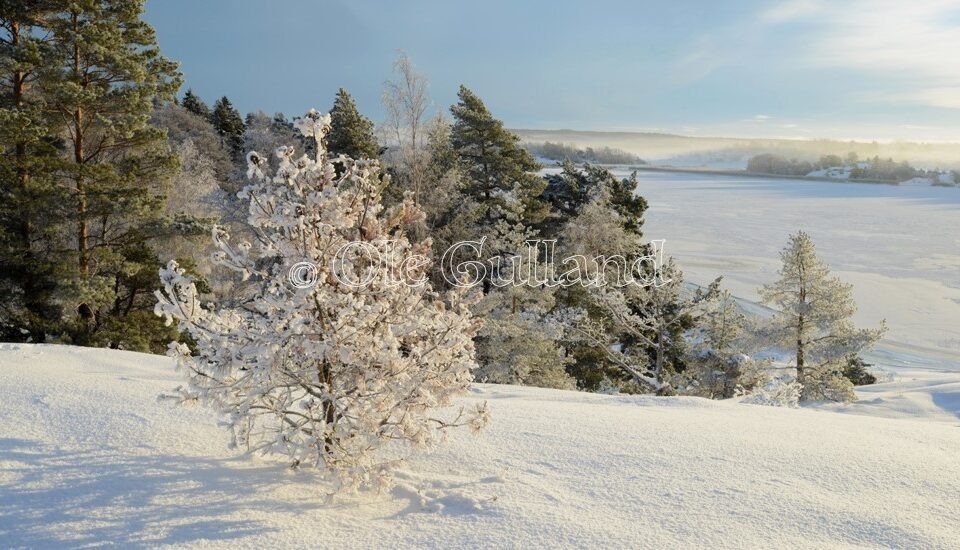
[89, 456]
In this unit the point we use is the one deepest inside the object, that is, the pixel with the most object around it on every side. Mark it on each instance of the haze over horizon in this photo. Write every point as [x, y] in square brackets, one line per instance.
[867, 70]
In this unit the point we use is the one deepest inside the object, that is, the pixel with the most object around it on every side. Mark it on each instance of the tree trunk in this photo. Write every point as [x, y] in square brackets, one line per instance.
[329, 409]
[83, 232]
[801, 322]
[20, 152]
[658, 367]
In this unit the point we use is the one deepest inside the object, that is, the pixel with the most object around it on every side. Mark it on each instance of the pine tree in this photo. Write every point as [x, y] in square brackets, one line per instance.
[519, 342]
[109, 74]
[195, 105]
[31, 202]
[229, 125]
[570, 191]
[501, 175]
[648, 322]
[814, 321]
[351, 133]
[595, 214]
[342, 370]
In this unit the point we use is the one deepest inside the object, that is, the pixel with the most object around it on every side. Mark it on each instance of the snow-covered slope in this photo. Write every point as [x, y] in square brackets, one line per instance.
[88, 455]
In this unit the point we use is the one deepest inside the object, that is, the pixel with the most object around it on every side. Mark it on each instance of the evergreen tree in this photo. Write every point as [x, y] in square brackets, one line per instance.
[351, 133]
[648, 322]
[195, 105]
[109, 74]
[569, 192]
[229, 125]
[501, 175]
[31, 202]
[519, 343]
[595, 214]
[814, 321]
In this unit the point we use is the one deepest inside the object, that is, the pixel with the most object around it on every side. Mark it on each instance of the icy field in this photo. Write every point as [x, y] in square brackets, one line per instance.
[88, 456]
[899, 246]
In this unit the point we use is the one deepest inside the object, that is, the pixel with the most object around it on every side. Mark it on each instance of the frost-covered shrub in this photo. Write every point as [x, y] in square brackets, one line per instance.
[718, 365]
[716, 376]
[519, 343]
[340, 375]
[828, 383]
[776, 393]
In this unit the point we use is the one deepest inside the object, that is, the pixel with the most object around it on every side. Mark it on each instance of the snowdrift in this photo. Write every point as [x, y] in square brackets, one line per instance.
[88, 455]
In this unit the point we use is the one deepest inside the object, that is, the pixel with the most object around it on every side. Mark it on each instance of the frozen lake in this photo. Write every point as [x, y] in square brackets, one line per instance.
[898, 246]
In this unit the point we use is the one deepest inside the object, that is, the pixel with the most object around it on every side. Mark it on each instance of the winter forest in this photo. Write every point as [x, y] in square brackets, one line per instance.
[337, 325]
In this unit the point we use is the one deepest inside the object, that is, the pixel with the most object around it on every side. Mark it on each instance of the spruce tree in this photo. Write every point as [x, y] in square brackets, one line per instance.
[109, 74]
[351, 133]
[814, 321]
[195, 105]
[501, 175]
[229, 125]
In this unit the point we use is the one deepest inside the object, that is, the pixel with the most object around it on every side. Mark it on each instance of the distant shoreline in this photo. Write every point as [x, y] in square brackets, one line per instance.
[742, 173]
[748, 174]
[732, 173]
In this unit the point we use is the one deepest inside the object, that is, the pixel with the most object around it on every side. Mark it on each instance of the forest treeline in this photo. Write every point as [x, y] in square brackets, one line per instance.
[560, 152]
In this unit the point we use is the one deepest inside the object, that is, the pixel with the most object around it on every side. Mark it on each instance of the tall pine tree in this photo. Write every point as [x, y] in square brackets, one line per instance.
[31, 202]
[501, 175]
[814, 321]
[110, 73]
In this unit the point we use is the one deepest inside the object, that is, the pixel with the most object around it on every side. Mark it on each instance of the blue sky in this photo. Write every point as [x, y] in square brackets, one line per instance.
[865, 69]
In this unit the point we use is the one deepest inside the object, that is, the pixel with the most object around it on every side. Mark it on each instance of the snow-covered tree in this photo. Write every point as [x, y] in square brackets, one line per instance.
[654, 317]
[407, 100]
[814, 321]
[348, 372]
[595, 214]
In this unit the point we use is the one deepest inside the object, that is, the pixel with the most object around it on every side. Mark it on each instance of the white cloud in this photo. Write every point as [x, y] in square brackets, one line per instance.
[791, 10]
[913, 45]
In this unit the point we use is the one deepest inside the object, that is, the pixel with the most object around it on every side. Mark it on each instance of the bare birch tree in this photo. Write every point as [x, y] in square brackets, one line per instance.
[407, 101]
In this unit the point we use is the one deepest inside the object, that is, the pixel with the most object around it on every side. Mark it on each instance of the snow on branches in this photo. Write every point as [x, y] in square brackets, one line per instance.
[343, 376]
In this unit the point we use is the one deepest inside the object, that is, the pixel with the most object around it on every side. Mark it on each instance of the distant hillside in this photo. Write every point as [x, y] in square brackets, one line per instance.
[720, 152]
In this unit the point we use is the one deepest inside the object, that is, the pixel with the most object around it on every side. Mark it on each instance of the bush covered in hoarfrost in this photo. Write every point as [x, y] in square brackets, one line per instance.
[344, 377]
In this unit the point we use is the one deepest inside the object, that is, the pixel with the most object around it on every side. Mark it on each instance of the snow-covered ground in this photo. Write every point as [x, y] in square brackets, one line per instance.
[88, 456]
